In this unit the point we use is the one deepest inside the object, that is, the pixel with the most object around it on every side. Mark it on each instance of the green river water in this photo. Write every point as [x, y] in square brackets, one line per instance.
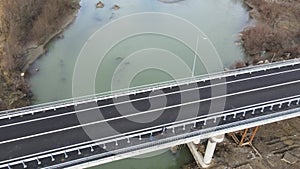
[220, 20]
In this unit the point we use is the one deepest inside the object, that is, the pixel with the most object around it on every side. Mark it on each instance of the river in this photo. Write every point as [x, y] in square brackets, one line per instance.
[220, 20]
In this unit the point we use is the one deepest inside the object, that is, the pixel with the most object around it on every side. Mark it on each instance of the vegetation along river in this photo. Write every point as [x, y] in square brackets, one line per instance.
[220, 20]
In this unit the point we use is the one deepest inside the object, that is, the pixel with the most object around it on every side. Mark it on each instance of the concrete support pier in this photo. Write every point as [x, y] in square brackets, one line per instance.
[205, 161]
[210, 149]
[197, 155]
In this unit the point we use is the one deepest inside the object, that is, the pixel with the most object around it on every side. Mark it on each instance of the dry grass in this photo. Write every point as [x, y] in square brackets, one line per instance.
[277, 31]
[24, 23]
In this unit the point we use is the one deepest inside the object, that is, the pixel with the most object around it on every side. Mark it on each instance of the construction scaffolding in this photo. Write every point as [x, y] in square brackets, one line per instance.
[244, 137]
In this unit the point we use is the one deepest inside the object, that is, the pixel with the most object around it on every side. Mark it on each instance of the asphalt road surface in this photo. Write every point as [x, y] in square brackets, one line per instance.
[52, 129]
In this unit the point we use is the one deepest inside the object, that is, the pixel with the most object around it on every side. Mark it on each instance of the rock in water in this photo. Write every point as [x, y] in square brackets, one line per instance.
[174, 149]
[100, 4]
[116, 7]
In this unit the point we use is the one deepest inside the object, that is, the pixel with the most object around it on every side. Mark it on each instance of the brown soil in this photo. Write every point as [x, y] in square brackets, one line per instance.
[276, 35]
[276, 146]
[25, 28]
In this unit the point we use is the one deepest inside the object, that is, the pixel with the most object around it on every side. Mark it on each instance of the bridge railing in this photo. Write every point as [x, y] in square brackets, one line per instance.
[183, 138]
[135, 134]
[144, 88]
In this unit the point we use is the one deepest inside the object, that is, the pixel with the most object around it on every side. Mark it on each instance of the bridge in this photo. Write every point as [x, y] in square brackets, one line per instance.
[92, 130]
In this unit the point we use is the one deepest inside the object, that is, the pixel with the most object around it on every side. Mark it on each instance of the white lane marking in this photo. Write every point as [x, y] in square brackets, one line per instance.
[145, 98]
[184, 81]
[142, 113]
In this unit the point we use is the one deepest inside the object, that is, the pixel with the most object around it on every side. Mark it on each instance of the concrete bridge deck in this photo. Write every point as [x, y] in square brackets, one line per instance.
[135, 119]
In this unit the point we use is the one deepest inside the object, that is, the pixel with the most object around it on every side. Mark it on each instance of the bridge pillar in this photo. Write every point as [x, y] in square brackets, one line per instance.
[210, 149]
[197, 141]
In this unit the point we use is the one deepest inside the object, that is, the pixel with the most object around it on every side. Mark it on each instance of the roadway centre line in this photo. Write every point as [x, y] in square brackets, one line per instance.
[179, 82]
[140, 113]
[146, 98]
[152, 129]
[184, 81]
[88, 143]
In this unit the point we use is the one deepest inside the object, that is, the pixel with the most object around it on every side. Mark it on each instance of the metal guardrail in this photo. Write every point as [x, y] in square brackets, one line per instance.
[173, 125]
[166, 94]
[144, 88]
[188, 137]
[63, 103]
[144, 112]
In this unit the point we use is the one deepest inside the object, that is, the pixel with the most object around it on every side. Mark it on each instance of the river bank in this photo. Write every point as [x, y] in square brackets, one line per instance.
[26, 97]
[35, 52]
[58, 63]
[23, 38]
[275, 145]
[276, 33]
[274, 37]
